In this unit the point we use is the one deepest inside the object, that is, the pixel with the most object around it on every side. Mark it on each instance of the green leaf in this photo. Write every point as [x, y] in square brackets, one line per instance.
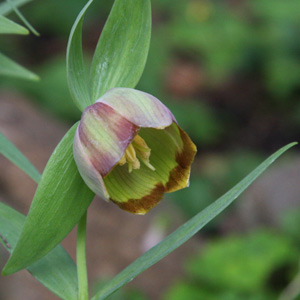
[186, 231]
[120, 56]
[76, 75]
[59, 202]
[9, 27]
[56, 270]
[122, 49]
[6, 7]
[11, 152]
[22, 18]
[9, 68]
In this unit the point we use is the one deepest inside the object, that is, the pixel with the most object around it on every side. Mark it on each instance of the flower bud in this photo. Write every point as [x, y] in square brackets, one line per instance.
[130, 150]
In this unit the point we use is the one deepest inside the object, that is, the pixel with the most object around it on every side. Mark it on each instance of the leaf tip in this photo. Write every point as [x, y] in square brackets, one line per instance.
[35, 77]
[24, 31]
[5, 272]
[12, 266]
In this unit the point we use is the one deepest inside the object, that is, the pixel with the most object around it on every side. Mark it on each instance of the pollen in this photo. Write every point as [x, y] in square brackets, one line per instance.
[137, 152]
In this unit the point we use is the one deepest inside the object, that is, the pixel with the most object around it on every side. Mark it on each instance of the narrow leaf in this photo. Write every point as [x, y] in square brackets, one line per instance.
[76, 75]
[22, 18]
[9, 27]
[6, 7]
[184, 232]
[59, 202]
[9, 68]
[11, 152]
[56, 271]
[122, 49]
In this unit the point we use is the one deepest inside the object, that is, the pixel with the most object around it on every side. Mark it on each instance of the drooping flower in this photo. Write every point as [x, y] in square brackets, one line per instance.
[129, 149]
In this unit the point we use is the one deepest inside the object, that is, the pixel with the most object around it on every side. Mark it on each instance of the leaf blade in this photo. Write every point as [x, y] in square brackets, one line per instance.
[186, 231]
[76, 76]
[6, 7]
[122, 49]
[22, 18]
[11, 152]
[10, 68]
[56, 271]
[59, 202]
[9, 27]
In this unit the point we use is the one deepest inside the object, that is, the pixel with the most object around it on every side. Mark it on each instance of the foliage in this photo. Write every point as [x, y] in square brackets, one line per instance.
[225, 39]
[252, 266]
[7, 66]
[56, 270]
[62, 198]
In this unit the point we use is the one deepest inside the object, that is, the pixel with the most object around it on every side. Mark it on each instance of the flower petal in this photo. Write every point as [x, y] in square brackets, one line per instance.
[140, 108]
[88, 172]
[136, 192]
[185, 154]
[100, 141]
[172, 153]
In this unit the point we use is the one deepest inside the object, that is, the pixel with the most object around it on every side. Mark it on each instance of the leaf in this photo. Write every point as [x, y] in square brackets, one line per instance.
[11, 152]
[184, 232]
[76, 75]
[122, 49]
[56, 271]
[22, 18]
[6, 7]
[59, 202]
[9, 68]
[9, 27]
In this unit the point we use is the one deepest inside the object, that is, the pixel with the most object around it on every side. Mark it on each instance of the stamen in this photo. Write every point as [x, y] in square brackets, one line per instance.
[147, 163]
[137, 151]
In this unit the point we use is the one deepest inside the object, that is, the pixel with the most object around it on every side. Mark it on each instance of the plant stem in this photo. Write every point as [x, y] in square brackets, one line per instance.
[83, 290]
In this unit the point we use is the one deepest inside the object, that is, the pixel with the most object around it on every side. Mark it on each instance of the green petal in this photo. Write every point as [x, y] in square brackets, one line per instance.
[136, 192]
[172, 153]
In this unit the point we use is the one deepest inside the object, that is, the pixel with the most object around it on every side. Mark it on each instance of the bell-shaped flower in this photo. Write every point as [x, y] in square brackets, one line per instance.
[130, 150]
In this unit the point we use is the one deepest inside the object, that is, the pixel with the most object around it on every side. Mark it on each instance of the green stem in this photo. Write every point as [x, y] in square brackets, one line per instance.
[83, 290]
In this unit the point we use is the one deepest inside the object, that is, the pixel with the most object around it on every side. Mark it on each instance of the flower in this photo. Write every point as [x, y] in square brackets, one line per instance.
[129, 149]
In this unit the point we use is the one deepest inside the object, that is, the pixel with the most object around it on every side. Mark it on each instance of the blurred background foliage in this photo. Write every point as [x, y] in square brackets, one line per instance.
[254, 266]
[230, 72]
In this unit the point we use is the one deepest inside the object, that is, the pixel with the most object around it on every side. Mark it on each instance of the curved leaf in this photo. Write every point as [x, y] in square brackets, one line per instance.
[184, 232]
[56, 271]
[11, 152]
[76, 76]
[122, 49]
[59, 202]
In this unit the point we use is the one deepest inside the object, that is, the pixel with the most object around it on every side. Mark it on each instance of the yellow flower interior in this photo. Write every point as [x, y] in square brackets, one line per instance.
[138, 151]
